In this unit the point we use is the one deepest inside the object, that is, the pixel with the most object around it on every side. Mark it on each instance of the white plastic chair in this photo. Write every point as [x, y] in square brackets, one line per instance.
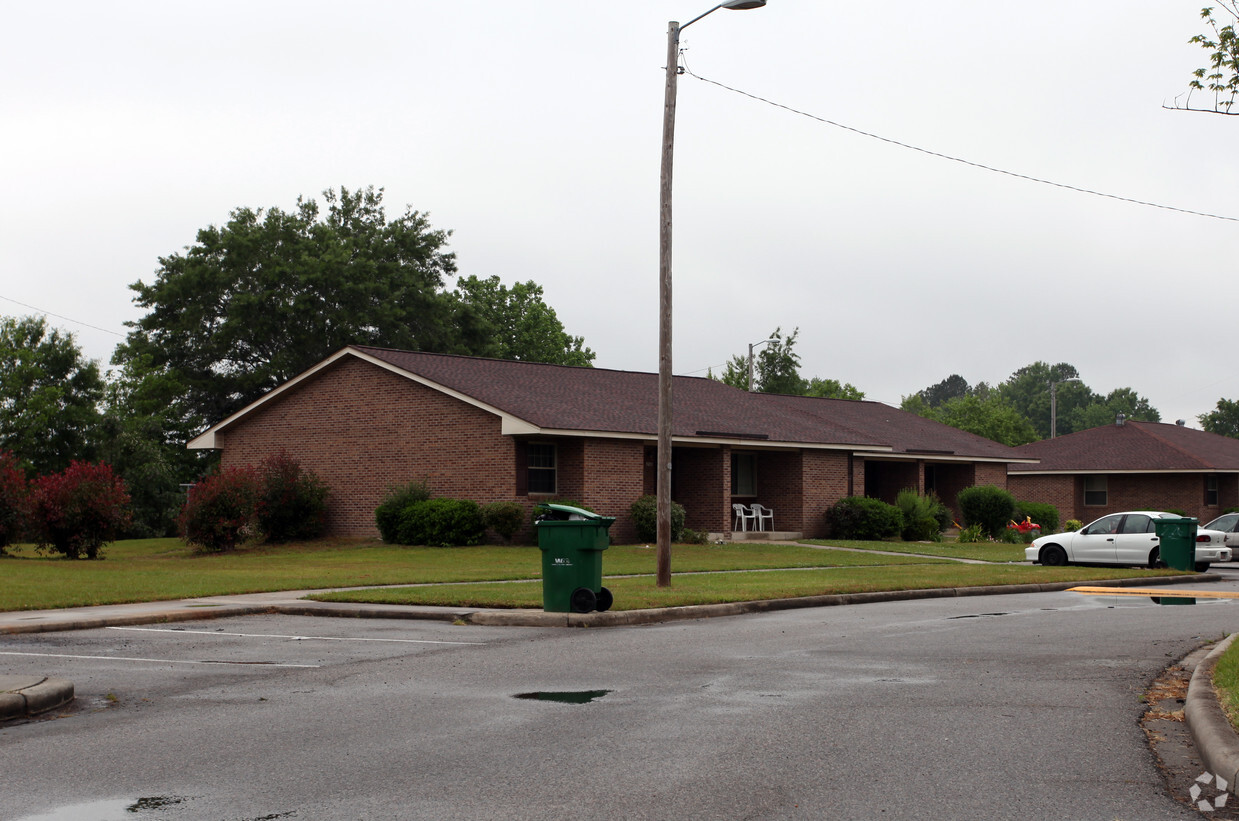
[743, 517]
[762, 514]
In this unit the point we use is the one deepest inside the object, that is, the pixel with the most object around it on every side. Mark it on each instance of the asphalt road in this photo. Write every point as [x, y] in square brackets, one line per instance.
[1017, 706]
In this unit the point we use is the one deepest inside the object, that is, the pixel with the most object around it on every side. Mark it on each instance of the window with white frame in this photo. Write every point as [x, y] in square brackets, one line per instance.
[743, 474]
[1095, 488]
[541, 459]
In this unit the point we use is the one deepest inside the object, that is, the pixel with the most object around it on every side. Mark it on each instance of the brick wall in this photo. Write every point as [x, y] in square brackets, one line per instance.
[780, 487]
[363, 430]
[1128, 491]
[1048, 490]
[825, 482]
[613, 478]
[702, 483]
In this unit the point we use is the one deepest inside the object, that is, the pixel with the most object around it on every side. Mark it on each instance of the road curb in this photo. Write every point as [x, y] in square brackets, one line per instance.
[1215, 739]
[25, 696]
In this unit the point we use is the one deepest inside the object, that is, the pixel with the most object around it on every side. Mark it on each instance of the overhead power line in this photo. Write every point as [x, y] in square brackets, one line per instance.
[58, 316]
[960, 160]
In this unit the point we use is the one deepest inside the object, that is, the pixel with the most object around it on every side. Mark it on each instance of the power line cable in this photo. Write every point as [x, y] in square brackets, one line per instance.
[58, 316]
[960, 160]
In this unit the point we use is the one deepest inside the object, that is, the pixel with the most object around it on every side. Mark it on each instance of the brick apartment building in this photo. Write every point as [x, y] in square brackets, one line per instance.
[367, 419]
[1131, 466]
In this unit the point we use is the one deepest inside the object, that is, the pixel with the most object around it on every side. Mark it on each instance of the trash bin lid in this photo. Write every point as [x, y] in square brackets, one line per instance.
[571, 513]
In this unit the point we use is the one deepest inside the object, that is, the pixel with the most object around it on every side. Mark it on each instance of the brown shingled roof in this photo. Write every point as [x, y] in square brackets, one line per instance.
[1133, 446]
[595, 399]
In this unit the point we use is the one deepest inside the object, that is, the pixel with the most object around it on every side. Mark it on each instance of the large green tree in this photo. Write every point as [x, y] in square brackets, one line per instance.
[1222, 420]
[49, 396]
[520, 325]
[256, 301]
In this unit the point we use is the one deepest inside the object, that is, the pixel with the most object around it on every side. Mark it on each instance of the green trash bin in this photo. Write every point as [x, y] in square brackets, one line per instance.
[572, 541]
[1176, 539]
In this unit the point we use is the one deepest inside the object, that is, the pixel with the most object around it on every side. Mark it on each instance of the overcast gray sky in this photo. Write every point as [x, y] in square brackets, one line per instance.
[532, 131]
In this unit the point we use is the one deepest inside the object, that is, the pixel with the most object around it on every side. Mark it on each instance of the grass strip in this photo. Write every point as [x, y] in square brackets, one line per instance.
[953, 550]
[166, 569]
[715, 588]
[1226, 682]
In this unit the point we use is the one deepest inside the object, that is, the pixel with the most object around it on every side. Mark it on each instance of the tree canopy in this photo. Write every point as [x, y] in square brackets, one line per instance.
[261, 299]
[1017, 411]
[1222, 420]
[776, 369]
[519, 324]
[49, 396]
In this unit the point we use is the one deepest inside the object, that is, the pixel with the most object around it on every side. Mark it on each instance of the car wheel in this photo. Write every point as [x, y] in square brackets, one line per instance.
[1201, 567]
[1155, 558]
[1053, 556]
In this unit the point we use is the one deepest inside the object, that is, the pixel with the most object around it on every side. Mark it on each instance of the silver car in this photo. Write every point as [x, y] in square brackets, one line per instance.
[1122, 538]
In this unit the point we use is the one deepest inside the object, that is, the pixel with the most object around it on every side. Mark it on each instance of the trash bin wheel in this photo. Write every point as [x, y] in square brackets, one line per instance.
[583, 600]
[605, 600]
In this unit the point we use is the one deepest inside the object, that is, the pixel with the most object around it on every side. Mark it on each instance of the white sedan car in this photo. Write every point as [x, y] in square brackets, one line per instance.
[1122, 538]
[1229, 525]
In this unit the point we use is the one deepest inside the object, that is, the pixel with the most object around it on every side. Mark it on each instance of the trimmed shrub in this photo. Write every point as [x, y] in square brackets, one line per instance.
[694, 537]
[387, 515]
[859, 517]
[644, 514]
[1072, 525]
[292, 503]
[1041, 514]
[220, 510]
[921, 519]
[79, 510]
[15, 502]
[505, 518]
[989, 506]
[441, 523]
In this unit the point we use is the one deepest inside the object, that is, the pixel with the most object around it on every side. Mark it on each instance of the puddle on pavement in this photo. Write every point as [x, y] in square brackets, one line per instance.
[564, 696]
[978, 616]
[112, 809]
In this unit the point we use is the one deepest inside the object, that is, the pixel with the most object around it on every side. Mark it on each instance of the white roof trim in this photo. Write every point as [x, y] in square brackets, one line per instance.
[946, 457]
[509, 424]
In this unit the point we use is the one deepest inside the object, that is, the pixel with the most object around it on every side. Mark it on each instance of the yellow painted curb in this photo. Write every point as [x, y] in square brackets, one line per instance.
[1135, 591]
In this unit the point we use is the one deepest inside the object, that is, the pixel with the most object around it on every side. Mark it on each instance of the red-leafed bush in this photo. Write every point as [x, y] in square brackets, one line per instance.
[14, 501]
[219, 513]
[292, 503]
[80, 509]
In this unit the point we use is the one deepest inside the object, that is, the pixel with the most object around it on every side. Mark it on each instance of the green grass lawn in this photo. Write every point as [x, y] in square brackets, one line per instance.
[1226, 682]
[162, 569]
[988, 552]
[636, 593]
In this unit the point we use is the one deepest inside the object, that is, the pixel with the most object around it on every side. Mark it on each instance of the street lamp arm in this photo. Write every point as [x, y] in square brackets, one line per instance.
[734, 5]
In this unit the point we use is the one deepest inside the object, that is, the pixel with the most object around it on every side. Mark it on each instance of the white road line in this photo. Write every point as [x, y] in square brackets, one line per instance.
[158, 661]
[298, 638]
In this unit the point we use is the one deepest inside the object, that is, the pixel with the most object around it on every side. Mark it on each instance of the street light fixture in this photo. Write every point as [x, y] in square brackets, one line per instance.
[1054, 404]
[664, 288]
[753, 345]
